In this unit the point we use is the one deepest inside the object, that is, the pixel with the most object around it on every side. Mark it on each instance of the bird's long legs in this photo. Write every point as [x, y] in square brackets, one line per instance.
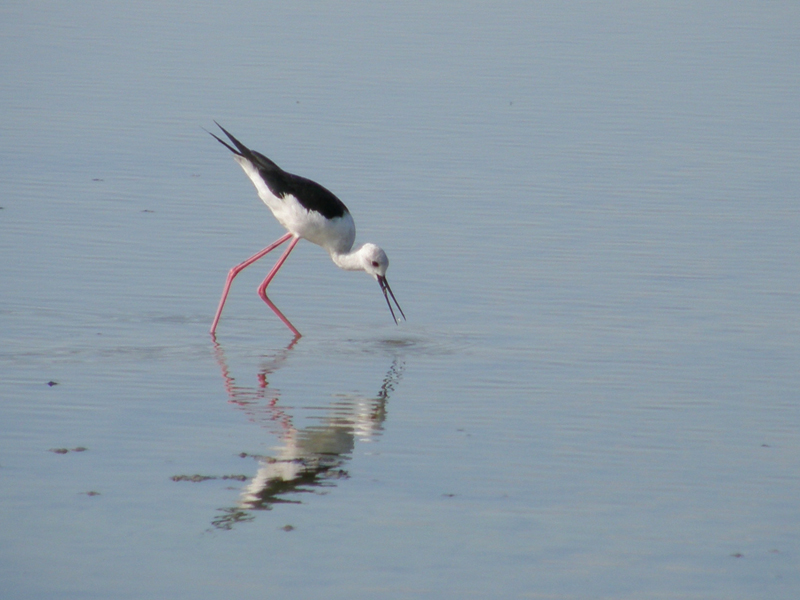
[262, 288]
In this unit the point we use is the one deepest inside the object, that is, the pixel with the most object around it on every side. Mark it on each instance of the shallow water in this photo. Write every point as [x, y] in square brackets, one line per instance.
[592, 217]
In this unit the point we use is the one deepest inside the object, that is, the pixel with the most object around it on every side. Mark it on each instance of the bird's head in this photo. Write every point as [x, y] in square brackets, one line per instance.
[374, 260]
[375, 263]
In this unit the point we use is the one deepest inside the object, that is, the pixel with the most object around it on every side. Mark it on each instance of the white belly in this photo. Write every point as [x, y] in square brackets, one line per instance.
[335, 235]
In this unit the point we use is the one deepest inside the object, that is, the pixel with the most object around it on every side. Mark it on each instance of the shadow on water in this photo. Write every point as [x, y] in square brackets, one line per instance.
[308, 457]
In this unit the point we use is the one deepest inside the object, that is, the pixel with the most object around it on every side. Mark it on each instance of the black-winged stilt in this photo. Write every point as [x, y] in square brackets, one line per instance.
[309, 211]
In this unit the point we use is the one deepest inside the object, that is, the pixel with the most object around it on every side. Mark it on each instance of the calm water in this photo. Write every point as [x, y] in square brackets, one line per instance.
[592, 216]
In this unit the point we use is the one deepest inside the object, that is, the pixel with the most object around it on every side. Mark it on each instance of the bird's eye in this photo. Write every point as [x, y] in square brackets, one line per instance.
[375, 263]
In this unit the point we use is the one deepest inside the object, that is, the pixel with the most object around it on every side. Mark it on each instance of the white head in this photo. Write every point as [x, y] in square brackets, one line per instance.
[375, 262]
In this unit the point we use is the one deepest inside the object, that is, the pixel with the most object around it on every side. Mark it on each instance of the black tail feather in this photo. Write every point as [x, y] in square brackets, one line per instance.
[254, 157]
[242, 149]
[223, 142]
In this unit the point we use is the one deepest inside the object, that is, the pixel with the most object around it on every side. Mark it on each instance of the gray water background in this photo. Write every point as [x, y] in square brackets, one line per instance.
[592, 215]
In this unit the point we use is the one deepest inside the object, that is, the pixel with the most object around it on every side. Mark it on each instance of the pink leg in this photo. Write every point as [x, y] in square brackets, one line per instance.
[238, 268]
[262, 289]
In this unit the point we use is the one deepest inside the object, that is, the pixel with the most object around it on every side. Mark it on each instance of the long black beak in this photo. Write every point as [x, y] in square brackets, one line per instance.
[387, 291]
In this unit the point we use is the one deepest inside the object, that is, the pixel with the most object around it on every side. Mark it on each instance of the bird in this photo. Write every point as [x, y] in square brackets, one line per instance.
[307, 211]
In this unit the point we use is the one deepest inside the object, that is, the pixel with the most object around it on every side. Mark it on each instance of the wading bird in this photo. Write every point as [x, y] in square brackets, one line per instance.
[308, 211]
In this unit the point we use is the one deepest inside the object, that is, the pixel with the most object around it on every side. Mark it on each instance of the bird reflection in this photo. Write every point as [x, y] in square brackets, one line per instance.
[309, 457]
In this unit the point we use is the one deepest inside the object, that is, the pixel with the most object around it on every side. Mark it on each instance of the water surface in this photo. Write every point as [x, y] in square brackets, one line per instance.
[591, 213]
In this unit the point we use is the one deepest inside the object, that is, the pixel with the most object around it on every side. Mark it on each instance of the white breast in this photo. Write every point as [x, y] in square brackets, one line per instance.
[335, 235]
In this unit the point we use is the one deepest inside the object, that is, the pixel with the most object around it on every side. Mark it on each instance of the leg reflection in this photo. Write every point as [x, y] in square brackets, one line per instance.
[308, 457]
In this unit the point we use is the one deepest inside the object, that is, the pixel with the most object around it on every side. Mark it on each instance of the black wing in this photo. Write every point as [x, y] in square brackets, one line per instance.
[311, 195]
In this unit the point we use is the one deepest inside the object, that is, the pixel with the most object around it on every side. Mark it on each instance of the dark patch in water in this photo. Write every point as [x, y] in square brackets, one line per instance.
[199, 478]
